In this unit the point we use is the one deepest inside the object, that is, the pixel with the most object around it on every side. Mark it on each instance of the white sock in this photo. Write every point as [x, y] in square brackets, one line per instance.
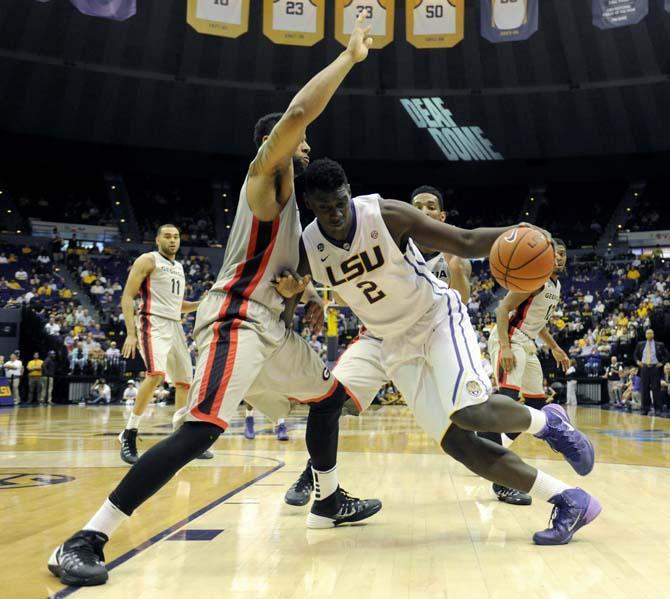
[133, 421]
[545, 486]
[250, 413]
[538, 420]
[107, 519]
[506, 441]
[325, 483]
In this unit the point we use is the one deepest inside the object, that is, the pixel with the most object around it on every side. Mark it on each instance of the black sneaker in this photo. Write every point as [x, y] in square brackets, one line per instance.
[80, 561]
[205, 455]
[511, 496]
[351, 509]
[128, 440]
[300, 491]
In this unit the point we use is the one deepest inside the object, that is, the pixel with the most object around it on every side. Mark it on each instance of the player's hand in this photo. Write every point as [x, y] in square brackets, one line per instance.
[507, 359]
[289, 284]
[129, 347]
[314, 315]
[540, 229]
[360, 40]
[561, 358]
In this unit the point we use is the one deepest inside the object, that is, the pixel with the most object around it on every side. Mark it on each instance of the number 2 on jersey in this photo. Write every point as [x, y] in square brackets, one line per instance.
[371, 291]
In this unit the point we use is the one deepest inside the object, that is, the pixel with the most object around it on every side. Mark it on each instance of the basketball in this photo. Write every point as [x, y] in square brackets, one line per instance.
[522, 259]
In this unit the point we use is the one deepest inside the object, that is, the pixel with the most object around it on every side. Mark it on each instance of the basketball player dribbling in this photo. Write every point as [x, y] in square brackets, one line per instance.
[520, 319]
[246, 351]
[452, 270]
[159, 280]
[425, 342]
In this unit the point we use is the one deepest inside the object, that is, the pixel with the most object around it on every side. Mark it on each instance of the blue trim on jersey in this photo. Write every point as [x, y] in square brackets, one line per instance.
[424, 275]
[350, 235]
[467, 347]
[458, 354]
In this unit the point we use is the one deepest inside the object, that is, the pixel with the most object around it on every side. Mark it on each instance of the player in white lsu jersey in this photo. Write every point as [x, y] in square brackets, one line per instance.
[521, 318]
[425, 342]
[245, 348]
[159, 280]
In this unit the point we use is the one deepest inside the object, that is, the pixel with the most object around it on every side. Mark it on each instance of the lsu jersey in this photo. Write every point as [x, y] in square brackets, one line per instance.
[162, 292]
[222, 12]
[255, 252]
[294, 15]
[388, 290]
[509, 14]
[434, 17]
[533, 314]
[434, 263]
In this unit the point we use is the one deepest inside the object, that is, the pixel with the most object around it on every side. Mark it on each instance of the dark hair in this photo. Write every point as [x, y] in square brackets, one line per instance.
[431, 190]
[324, 175]
[264, 126]
[559, 242]
[166, 226]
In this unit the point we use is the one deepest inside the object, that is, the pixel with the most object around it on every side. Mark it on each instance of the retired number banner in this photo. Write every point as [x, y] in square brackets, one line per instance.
[379, 15]
[667, 5]
[225, 18]
[608, 14]
[117, 10]
[435, 23]
[294, 22]
[508, 20]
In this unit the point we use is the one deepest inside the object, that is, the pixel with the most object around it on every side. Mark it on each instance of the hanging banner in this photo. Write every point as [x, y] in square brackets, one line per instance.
[225, 18]
[435, 23]
[608, 14]
[294, 22]
[379, 15]
[667, 5]
[508, 20]
[117, 10]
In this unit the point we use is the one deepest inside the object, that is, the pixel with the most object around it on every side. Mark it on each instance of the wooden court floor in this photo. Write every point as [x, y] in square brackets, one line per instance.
[221, 528]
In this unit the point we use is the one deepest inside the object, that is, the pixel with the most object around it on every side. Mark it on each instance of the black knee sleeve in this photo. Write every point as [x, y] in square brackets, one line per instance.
[159, 464]
[512, 393]
[535, 402]
[323, 428]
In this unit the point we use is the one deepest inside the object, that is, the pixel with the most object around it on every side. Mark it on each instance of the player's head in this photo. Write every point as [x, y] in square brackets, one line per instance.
[167, 240]
[430, 201]
[264, 127]
[561, 254]
[328, 195]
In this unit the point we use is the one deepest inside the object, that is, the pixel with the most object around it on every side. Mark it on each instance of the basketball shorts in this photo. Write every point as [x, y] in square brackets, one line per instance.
[246, 352]
[163, 348]
[436, 365]
[526, 377]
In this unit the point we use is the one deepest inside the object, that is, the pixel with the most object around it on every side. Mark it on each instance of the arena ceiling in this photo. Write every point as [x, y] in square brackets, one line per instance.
[152, 81]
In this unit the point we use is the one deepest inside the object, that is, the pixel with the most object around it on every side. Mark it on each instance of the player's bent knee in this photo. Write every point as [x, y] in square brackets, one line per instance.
[471, 418]
[332, 403]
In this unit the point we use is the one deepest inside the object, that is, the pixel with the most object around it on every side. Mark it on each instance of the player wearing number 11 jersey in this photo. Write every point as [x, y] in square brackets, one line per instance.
[159, 280]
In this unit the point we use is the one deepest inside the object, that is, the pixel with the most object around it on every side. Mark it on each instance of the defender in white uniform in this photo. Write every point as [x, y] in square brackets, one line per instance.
[428, 346]
[156, 329]
[243, 313]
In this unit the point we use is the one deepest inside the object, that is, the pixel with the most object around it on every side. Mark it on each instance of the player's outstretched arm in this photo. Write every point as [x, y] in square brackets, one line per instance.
[460, 271]
[405, 221]
[274, 158]
[560, 356]
[509, 303]
[141, 269]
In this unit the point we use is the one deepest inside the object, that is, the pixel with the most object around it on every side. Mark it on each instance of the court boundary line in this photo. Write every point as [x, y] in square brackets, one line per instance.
[115, 563]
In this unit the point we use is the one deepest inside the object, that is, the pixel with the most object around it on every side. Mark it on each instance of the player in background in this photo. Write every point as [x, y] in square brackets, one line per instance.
[250, 430]
[156, 329]
[452, 270]
[521, 318]
[245, 349]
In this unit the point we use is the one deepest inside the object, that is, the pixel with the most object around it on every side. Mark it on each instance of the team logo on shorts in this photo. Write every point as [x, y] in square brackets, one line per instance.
[374, 235]
[320, 247]
[474, 389]
[326, 374]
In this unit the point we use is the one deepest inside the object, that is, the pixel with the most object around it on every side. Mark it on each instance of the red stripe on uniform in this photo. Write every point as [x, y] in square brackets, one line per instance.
[518, 323]
[145, 320]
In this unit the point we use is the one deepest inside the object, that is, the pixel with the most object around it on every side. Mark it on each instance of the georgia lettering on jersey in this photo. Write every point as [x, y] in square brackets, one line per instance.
[388, 291]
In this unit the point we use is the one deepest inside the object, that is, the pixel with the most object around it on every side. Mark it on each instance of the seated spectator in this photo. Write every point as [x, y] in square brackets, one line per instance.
[3, 258]
[52, 327]
[78, 357]
[21, 275]
[97, 288]
[100, 393]
[130, 393]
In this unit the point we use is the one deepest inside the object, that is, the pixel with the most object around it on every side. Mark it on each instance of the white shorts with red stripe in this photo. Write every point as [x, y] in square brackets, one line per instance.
[163, 348]
[246, 352]
[526, 377]
[436, 365]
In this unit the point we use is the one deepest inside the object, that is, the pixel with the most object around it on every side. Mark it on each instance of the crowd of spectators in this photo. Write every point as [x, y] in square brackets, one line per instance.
[650, 213]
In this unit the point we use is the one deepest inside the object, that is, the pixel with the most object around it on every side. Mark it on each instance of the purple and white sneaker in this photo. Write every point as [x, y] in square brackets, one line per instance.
[573, 508]
[564, 438]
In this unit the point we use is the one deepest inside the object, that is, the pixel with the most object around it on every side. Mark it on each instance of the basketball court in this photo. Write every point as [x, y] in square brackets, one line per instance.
[221, 528]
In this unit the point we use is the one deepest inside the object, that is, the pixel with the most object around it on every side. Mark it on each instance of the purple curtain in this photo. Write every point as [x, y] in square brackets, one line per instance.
[118, 10]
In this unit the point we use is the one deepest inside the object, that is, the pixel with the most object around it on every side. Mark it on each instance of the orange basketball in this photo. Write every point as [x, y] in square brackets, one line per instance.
[522, 259]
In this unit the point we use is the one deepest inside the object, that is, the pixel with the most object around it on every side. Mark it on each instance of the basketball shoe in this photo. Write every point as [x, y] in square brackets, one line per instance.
[511, 496]
[300, 491]
[282, 433]
[249, 432]
[80, 561]
[205, 455]
[128, 440]
[573, 508]
[341, 509]
[564, 438]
